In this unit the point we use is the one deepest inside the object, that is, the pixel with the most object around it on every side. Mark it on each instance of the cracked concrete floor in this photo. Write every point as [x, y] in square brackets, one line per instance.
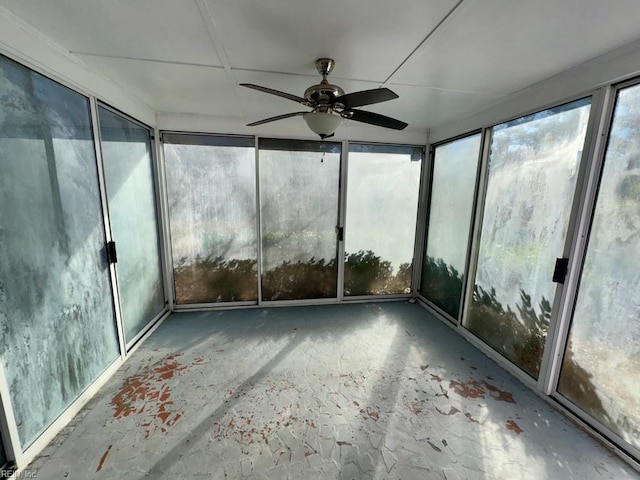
[360, 391]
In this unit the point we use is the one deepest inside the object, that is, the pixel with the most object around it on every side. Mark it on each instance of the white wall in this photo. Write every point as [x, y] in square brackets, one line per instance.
[612, 67]
[23, 43]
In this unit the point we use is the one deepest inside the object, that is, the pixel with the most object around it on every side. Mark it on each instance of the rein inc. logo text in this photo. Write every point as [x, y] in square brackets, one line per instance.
[18, 475]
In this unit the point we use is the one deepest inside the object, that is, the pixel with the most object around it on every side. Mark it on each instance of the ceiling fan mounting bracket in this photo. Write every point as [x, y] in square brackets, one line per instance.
[325, 66]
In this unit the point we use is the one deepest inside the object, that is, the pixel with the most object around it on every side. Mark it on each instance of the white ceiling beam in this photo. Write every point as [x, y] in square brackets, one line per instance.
[422, 44]
[218, 45]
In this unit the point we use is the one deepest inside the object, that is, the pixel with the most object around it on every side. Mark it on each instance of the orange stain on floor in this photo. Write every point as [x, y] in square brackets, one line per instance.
[147, 394]
[513, 426]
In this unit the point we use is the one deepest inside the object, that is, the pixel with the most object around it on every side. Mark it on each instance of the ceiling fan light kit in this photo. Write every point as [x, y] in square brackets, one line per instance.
[323, 123]
[331, 105]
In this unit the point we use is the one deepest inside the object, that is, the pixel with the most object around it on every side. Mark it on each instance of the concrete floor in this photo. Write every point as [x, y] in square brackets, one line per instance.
[363, 391]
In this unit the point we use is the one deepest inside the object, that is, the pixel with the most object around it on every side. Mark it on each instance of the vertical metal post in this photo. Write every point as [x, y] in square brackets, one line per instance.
[422, 220]
[163, 218]
[342, 215]
[258, 219]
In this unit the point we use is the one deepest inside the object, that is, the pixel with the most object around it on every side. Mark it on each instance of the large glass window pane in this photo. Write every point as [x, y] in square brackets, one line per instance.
[211, 188]
[57, 329]
[601, 368]
[533, 165]
[382, 203]
[454, 172]
[128, 167]
[299, 186]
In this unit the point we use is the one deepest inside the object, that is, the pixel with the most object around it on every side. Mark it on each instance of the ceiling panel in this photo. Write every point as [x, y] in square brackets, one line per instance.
[170, 30]
[368, 39]
[173, 88]
[502, 46]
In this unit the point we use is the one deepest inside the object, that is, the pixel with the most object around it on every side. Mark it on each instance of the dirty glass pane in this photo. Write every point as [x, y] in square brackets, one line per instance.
[211, 187]
[455, 166]
[57, 328]
[533, 165]
[128, 168]
[601, 368]
[382, 205]
[299, 184]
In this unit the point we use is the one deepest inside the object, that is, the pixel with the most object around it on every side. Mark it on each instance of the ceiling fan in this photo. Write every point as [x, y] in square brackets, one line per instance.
[331, 105]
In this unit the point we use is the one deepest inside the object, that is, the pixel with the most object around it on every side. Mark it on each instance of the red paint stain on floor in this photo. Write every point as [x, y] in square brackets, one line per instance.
[497, 394]
[513, 426]
[103, 458]
[147, 394]
[469, 389]
[476, 389]
[473, 420]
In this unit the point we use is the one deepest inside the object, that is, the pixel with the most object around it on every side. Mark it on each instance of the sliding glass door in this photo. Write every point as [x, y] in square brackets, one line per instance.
[299, 193]
[531, 180]
[129, 178]
[382, 205]
[211, 188]
[601, 367]
[57, 322]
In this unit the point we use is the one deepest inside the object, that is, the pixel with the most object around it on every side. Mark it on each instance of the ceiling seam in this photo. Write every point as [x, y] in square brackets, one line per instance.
[424, 40]
[152, 60]
[451, 90]
[218, 45]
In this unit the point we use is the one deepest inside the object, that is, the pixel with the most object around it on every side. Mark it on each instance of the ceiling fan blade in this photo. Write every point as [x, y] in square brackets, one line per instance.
[278, 93]
[273, 119]
[365, 97]
[374, 119]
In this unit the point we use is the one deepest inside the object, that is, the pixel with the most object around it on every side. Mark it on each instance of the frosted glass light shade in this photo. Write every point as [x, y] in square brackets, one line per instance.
[322, 123]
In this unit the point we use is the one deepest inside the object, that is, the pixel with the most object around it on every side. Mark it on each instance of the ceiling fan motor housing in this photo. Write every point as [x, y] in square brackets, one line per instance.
[323, 94]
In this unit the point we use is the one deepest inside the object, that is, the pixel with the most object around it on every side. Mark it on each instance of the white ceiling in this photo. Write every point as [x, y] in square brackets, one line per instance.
[446, 59]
